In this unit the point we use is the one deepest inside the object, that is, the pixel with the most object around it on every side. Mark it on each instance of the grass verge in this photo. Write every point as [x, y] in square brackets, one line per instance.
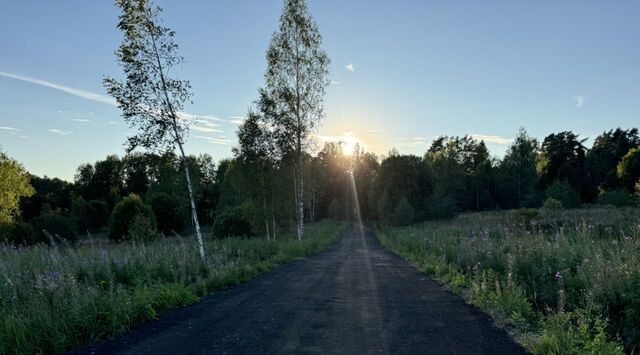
[53, 300]
[567, 283]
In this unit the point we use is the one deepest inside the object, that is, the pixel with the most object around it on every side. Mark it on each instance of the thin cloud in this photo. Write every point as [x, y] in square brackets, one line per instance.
[13, 129]
[88, 95]
[375, 131]
[205, 129]
[350, 67]
[189, 116]
[84, 120]
[214, 140]
[113, 122]
[237, 120]
[579, 100]
[333, 82]
[492, 139]
[59, 132]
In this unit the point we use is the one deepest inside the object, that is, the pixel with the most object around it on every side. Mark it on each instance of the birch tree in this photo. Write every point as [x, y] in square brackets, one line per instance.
[257, 150]
[149, 98]
[296, 79]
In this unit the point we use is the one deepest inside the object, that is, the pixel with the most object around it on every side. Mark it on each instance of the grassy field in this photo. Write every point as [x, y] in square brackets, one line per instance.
[563, 281]
[55, 299]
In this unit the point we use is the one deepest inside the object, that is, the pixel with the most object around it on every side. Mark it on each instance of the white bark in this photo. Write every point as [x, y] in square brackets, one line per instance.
[194, 213]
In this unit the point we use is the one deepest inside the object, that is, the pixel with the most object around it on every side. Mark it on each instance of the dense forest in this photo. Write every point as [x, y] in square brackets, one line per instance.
[252, 193]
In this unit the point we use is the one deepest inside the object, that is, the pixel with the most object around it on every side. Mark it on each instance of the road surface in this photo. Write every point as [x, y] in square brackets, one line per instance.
[354, 298]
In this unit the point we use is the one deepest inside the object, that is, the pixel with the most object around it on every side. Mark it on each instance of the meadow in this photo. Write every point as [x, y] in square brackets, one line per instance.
[562, 281]
[56, 298]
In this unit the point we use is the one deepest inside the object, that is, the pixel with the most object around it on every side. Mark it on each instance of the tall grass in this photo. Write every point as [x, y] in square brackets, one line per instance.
[55, 299]
[571, 278]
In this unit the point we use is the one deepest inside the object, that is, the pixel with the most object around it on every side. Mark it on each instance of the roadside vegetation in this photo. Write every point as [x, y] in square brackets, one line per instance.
[54, 298]
[89, 258]
[566, 280]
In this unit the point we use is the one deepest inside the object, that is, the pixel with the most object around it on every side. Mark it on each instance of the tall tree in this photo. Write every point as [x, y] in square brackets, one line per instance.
[14, 184]
[296, 79]
[562, 157]
[629, 169]
[602, 159]
[257, 150]
[519, 168]
[149, 99]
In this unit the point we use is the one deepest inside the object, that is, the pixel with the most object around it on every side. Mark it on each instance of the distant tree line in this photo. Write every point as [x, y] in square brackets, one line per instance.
[251, 195]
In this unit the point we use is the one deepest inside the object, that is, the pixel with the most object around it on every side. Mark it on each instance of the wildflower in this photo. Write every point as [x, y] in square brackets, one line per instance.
[48, 281]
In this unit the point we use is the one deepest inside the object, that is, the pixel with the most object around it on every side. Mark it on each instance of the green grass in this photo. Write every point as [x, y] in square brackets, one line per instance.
[565, 282]
[53, 300]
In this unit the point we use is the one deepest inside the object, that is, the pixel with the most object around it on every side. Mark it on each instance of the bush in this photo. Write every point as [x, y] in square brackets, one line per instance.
[123, 215]
[98, 214]
[59, 226]
[526, 216]
[441, 207]
[166, 208]
[142, 229]
[233, 222]
[563, 192]
[403, 214]
[618, 198]
[22, 233]
[551, 204]
[89, 215]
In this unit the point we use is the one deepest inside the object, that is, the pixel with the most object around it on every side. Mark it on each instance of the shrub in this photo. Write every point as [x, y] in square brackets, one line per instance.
[403, 214]
[526, 216]
[563, 192]
[618, 198]
[89, 215]
[142, 229]
[22, 233]
[441, 207]
[98, 214]
[551, 204]
[166, 208]
[124, 214]
[60, 227]
[233, 222]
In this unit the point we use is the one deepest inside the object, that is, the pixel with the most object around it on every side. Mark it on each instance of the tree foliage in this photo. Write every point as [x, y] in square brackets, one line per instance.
[14, 185]
[295, 83]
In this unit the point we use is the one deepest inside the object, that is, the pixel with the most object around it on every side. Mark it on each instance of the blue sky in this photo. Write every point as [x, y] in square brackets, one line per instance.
[403, 71]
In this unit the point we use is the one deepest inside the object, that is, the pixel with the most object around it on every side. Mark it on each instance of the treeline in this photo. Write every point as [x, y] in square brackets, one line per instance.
[252, 195]
[458, 174]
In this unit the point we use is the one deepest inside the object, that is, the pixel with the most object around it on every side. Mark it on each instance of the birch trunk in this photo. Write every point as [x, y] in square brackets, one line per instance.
[194, 213]
[264, 202]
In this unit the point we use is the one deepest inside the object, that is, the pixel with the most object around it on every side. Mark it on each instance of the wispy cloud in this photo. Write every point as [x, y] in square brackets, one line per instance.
[79, 120]
[113, 122]
[205, 129]
[237, 120]
[12, 129]
[92, 96]
[350, 67]
[579, 100]
[214, 140]
[207, 118]
[333, 82]
[59, 132]
[492, 139]
[88, 95]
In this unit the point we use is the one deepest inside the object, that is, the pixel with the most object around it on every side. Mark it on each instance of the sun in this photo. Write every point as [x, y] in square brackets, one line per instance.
[349, 142]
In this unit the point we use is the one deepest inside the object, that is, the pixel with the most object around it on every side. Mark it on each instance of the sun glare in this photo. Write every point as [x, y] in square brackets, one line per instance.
[349, 143]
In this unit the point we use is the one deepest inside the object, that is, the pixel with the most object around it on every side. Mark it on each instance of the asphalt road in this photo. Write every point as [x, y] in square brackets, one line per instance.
[353, 298]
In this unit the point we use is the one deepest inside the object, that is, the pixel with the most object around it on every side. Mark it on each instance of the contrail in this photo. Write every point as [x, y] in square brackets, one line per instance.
[69, 90]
